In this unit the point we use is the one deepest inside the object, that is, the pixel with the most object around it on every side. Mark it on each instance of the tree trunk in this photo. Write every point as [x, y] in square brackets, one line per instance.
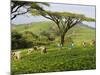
[62, 39]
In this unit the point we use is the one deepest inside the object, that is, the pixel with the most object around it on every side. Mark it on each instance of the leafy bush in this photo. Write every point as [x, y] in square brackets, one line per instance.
[38, 43]
[20, 40]
[26, 40]
[48, 34]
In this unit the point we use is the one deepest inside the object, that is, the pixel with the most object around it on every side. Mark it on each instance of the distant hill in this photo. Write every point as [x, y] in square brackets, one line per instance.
[87, 26]
[78, 32]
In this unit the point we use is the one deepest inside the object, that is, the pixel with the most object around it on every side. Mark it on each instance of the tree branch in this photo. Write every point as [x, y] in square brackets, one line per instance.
[15, 15]
[76, 22]
[13, 11]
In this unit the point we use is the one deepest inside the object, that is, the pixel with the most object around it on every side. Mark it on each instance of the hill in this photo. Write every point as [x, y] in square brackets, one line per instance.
[79, 32]
[56, 59]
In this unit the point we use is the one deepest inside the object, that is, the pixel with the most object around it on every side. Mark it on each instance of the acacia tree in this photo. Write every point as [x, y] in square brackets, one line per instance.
[18, 6]
[64, 20]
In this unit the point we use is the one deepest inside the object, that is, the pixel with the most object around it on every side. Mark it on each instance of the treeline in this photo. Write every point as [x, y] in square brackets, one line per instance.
[28, 39]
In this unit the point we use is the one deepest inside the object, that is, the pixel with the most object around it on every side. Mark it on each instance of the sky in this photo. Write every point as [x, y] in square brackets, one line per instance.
[88, 11]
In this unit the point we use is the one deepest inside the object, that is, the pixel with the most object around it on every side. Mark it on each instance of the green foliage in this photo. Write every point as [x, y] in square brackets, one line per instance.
[28, 35]
[63, 20]
[21, 40]
[55, 60]
[88, 19]
[78, 33]
[78, 58]
[39, 43]
[27, 39]
[16, 39]
[68, 40]
[47, 34]
[82, 17]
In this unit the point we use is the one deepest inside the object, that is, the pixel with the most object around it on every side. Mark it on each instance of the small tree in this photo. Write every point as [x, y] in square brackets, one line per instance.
[63, 20]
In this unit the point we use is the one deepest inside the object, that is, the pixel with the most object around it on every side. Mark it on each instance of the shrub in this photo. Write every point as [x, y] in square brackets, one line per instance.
[19, 40]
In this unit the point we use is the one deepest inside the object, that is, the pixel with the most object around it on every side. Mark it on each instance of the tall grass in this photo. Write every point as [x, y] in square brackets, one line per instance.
[56, 60]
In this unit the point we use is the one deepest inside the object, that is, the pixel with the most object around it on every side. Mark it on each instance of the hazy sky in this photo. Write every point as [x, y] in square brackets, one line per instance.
[88, 11]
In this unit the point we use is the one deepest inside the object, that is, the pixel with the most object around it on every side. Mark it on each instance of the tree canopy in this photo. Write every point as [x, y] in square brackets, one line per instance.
[63, 20]
[26, 6]
[51, 14]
